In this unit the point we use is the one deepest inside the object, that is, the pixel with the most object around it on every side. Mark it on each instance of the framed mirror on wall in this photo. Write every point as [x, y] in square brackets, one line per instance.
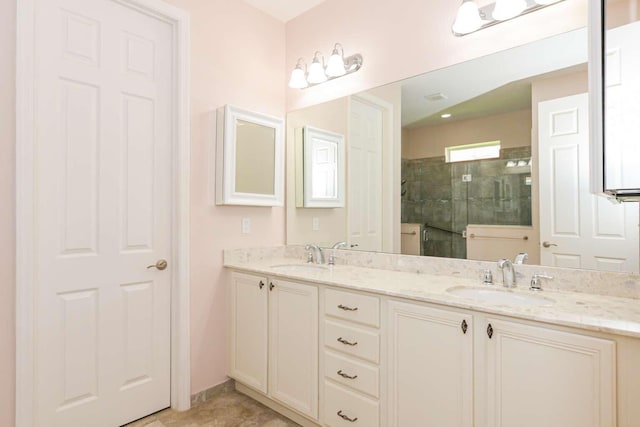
[614, 69]
[249, 158]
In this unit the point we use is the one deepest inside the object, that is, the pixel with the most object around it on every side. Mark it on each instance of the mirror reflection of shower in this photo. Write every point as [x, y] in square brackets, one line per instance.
[444, 198]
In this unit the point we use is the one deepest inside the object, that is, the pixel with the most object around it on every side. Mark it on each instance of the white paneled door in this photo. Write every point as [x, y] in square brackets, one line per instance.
[103, 208]
[365, 176]
[577, 228]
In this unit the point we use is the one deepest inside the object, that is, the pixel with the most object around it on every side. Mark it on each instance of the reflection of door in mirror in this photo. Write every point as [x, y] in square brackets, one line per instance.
[255, 158]
[578, 229]
[365, 173]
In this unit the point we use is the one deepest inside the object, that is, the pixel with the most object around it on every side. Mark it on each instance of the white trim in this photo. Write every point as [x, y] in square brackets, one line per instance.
[25, 193]
[596, 95]
[390, 173]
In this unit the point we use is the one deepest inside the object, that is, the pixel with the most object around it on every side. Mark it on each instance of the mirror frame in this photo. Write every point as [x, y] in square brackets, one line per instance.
[226, 162]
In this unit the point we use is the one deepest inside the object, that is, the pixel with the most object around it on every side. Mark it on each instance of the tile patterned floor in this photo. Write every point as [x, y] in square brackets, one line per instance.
[229, 409]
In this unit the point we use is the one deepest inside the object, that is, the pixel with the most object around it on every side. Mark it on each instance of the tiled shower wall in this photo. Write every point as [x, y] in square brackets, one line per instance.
[436, 195]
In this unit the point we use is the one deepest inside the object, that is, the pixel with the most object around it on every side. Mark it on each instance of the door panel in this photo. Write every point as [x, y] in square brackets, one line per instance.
[365, 177]
[582, 230]
[103, 99]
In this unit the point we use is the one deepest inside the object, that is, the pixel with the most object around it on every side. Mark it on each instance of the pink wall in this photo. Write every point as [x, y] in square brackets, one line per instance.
[400, 39]
[237, 57]
[7, 211]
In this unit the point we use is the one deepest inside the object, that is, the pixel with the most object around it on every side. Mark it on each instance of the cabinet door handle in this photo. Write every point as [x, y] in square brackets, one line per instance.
[490, 330]
[343, 375]
[344, 417]
[464, 326]
[345, 342]
[271, 286]
[261, 284]
[346, 308]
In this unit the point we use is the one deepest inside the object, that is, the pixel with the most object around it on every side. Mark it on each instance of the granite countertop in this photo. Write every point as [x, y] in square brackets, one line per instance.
[610, 314]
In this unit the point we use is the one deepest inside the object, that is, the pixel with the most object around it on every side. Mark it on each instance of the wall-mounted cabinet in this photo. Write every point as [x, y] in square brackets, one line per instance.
[249, 158]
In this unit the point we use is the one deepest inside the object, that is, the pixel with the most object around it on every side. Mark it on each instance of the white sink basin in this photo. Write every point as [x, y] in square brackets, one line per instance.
[299, 267]
[500, 297]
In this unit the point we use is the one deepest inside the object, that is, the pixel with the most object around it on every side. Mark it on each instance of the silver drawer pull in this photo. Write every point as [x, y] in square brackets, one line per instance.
[344, 417]
[343, 375]
[345, 342]
[345, 308]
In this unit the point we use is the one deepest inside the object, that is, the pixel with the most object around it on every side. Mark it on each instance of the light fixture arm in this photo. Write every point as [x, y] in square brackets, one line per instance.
[486, 13]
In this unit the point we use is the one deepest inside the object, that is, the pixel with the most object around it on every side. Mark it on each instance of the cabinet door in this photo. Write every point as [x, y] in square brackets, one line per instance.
[430, 367]
[541, 377]
[248, 353]
[293, 363]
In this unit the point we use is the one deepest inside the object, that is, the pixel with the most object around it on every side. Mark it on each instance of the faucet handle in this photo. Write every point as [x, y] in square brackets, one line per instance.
[535, 281]
[310, 257]
[487, 277]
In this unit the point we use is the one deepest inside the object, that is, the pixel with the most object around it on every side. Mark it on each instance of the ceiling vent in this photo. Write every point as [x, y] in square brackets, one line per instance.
[435, 97]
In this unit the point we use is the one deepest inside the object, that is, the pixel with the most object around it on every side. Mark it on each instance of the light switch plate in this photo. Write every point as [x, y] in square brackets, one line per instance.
[246, 225]
[466, 178]
[315, 223]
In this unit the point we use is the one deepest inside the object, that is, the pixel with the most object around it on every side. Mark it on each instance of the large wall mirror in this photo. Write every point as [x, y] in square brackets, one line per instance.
[480, 160]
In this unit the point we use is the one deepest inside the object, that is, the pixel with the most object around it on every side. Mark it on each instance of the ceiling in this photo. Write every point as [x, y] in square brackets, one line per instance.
[469, 80]
[284, 10]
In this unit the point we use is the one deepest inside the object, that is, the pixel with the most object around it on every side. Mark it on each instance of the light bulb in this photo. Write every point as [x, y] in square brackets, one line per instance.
[298, 80]
[316, 71]
[468, 18]
[507, 9]
[335, 66]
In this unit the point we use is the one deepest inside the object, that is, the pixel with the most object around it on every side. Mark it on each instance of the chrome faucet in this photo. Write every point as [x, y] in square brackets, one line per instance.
[339, 245]
[332, 255]
[508, 273]
[318, 251]
[521, 258]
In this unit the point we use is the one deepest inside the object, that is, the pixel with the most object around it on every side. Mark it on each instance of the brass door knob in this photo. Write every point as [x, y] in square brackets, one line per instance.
[548, 244]
[160, 265]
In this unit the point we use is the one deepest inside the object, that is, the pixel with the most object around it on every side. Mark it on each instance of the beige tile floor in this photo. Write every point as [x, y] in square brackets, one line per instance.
[229, 409]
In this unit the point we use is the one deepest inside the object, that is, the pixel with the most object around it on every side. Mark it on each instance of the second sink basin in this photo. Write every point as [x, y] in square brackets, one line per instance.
[299, 267]
[500, 297]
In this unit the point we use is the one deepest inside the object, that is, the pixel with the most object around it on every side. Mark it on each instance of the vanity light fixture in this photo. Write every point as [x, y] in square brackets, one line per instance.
[316, 70]
[470, 18]
[337, 66]
[298, 79]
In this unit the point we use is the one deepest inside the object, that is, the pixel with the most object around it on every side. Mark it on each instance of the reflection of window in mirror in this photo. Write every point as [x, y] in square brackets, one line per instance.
[249, 158]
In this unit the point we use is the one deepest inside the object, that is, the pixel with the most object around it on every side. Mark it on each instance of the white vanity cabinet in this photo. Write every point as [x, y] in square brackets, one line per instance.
[430, 366]
[538, 376]
[274, 339]
[351, 359]
[500, 373]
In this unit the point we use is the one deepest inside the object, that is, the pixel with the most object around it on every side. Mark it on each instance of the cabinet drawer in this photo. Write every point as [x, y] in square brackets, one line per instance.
[353, 307]
[352, 373]
[340, 401]
[351, 340]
